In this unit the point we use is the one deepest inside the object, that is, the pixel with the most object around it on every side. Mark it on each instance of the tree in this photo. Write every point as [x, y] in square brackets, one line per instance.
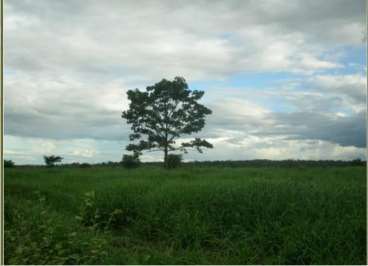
[130, 161]
[8, 163]
[162, 114]
[51, 160]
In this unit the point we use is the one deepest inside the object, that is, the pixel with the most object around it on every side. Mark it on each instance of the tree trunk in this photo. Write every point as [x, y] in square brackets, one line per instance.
[166, 139]
[165, 157]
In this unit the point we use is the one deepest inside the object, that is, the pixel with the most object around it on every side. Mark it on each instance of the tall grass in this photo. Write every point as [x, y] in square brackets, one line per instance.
[198, 215]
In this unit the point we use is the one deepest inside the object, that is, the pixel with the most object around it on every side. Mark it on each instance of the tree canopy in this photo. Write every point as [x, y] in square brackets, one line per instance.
[163, 113]
[52, 159]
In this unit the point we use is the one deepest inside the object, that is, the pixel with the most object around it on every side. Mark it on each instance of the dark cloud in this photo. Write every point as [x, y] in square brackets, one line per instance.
[345, 131]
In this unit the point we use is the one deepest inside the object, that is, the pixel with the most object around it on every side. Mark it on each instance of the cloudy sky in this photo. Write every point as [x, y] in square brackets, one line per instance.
[285, 79]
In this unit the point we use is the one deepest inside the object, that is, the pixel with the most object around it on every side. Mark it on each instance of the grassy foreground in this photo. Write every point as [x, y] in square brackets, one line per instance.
[192, 215]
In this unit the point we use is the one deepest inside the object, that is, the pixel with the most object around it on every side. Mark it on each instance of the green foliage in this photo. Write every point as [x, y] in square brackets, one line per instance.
[35, 235]
[116, 220]
[85, 165]
[8, 163]
[130, 161]
[173, 160]
[358, 162]
[189, 215]
[90, 215]
[163, 113]
[51, 160]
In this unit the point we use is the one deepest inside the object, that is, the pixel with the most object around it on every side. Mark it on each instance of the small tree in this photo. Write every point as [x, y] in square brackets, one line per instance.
[51, 160]
[162, 114]
[8, 163]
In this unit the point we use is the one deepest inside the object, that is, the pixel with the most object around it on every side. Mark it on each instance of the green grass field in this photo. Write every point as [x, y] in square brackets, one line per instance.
[190, 215]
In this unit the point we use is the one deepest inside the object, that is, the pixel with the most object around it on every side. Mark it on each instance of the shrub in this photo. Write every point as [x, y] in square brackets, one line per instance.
[35, 235]
[130, 161]
[173, 160]
[8, 163]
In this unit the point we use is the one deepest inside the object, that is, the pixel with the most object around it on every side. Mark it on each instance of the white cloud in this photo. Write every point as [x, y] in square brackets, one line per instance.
[255, 147]
[68, 65]
[31, 150]
[85, 153]
[165, 39]
[24, 150]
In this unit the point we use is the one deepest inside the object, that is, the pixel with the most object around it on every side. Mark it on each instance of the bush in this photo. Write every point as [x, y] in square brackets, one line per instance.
[35, 234]
[130, 161]
[173, 160]
[8, 163]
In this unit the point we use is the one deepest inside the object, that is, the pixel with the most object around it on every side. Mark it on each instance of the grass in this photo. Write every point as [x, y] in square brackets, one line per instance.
[190, 215]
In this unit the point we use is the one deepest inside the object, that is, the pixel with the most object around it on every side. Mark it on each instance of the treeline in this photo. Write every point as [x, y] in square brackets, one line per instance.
[270, 163]
[244, 163]
[281, 163]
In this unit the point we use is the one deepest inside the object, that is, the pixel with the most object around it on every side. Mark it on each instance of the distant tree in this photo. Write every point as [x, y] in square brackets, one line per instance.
[357, 162]
[8, 163]
[130, 161]
[163, 113]
[51, 160]
[85, 165]
[173, 160]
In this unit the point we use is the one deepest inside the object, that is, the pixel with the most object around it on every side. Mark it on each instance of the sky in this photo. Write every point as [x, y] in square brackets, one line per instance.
[284, 79]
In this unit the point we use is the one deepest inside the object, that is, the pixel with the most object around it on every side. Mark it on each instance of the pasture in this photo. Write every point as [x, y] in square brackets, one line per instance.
[189, 215]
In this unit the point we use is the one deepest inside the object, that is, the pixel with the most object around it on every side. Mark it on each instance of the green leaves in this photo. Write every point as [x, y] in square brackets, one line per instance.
[38, 235]
[163, 113]
[197, 143]
[52, 159]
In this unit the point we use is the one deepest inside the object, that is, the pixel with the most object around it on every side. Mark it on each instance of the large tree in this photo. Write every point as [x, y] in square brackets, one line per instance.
[162, 114]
